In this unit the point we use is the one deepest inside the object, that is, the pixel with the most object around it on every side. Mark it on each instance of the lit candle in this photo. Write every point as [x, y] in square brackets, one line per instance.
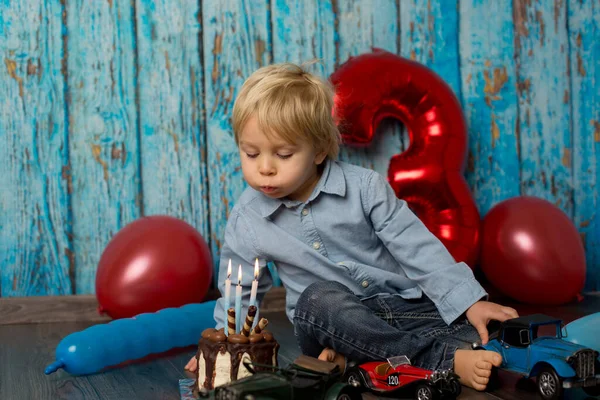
[254, 285]
[238, 301]
[227, 293]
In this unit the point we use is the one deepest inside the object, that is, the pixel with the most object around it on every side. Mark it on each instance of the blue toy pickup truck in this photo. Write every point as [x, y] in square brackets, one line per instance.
[533, 346]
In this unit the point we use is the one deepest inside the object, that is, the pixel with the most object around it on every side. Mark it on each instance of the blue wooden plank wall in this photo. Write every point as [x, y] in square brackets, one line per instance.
[116, 109]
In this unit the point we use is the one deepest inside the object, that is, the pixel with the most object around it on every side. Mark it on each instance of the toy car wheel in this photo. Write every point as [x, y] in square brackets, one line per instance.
[455, 388]
[425, 392]
[549, 384]
[349, 394]
[354, 379]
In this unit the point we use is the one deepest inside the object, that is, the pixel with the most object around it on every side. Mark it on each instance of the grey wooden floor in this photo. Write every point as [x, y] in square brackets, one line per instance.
[26, 349]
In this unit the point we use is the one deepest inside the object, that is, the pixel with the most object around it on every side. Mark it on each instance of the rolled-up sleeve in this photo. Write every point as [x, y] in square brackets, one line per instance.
[423, 257]
[239, 246]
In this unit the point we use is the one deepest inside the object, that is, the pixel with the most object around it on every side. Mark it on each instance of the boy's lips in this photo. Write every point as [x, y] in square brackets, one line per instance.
[268, 189]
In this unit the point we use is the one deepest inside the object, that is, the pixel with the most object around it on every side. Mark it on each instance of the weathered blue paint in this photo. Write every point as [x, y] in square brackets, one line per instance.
[489, 100]
[36, 256]
[541, 42]
[429, 35]
[236, 42]
[303, 31]
[361, 26]
[113, 110]
[584, 57]
[103, 128]
[171, 105]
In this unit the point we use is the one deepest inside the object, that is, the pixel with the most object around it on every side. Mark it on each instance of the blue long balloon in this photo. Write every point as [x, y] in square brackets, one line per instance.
[104, 345]
[585, 331]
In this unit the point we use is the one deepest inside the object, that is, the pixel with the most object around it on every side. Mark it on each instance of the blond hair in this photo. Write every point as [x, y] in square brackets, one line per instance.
[290, 102]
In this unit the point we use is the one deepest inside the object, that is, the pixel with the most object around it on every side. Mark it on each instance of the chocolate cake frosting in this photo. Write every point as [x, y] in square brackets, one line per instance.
[220, 357]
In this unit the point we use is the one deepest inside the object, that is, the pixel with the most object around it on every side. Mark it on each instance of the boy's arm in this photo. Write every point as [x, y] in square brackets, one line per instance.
[425, 260]
[239, 246]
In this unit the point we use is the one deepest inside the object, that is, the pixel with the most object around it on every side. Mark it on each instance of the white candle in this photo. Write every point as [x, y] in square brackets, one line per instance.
[238, 301]
[227, 294]
[254, 285]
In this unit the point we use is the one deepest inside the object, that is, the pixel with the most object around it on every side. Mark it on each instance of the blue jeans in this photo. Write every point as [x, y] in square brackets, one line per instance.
[328, 314]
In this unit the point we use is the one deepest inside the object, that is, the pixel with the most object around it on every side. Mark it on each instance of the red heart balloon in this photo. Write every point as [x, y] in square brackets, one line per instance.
[429, 174]
[153, 263]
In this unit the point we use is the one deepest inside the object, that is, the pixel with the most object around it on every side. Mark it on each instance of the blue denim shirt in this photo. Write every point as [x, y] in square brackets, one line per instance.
[352, 229]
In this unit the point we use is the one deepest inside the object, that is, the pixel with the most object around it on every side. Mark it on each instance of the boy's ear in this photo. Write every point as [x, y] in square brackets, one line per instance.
[320, 157]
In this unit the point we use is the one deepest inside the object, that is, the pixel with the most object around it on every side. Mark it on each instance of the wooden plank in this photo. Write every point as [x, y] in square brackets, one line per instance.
[429, 35]
[152, 378]
[103, 128]
[362, 26]
[170, 81]
[26, 351]
[303, 32]
[236, 43]
[46, 309]
[36, 256]
[489, 100]
[543, 92]
[584, 48]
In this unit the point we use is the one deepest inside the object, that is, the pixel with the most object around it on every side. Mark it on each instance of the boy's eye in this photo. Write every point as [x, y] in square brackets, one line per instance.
[252, 155]
[284, 156]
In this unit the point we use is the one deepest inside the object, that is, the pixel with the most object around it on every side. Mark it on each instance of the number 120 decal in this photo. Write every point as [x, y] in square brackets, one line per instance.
[393, 380]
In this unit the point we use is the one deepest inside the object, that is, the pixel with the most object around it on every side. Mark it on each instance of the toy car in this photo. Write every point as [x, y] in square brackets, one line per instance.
[533, 346]
[306, 378]
[398, 374]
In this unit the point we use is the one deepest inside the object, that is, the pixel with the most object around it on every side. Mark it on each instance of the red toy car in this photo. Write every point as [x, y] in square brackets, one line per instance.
[397, 374]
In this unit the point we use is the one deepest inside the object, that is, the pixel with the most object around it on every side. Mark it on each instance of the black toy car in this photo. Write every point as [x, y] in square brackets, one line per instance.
[306, 378]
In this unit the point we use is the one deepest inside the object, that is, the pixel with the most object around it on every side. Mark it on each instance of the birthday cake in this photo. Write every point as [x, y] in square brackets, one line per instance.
[221, 357]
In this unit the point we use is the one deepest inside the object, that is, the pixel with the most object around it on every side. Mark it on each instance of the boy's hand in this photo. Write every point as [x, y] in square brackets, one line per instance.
[192, 365]
[482, 312]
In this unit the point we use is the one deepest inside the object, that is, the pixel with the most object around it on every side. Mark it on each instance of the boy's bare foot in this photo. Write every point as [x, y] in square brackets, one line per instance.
[332, 356]
[474, 367]
[192, 365]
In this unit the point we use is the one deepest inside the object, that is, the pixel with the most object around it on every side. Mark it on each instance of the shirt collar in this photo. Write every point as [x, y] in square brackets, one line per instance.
[332, 181]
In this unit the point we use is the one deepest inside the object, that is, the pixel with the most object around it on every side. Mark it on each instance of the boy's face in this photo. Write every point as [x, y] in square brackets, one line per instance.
[275, 167]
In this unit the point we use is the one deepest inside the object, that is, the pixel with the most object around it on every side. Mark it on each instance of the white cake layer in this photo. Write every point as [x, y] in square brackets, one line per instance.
[242, 370]
[222, 371]
[201, 371]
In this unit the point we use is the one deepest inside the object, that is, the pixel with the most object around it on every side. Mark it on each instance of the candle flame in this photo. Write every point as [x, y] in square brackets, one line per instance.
[240, 275]
[229, 269]
[256, 269]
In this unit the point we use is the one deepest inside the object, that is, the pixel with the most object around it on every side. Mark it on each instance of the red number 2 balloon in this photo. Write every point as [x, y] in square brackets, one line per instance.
[429, 174]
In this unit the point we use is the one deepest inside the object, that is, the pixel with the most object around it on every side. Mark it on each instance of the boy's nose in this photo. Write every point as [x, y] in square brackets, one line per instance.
[266, 167]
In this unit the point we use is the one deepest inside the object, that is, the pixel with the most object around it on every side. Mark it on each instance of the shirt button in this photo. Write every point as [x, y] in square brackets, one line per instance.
[316, 245]
[305, 212]
[365, 283]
